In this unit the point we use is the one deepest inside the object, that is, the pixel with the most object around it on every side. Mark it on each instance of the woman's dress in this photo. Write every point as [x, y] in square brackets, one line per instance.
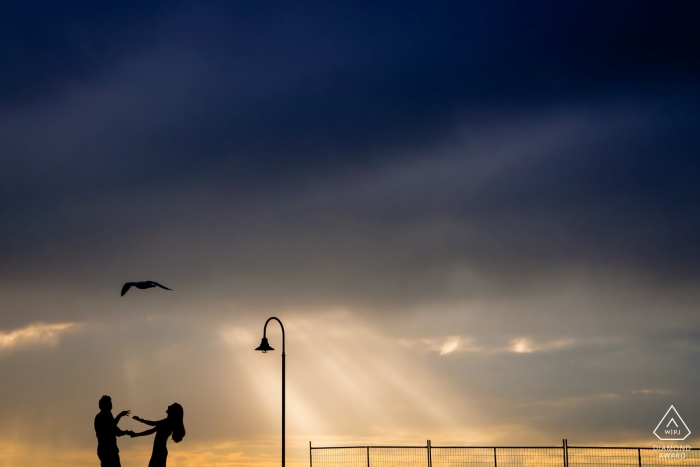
[160, 452]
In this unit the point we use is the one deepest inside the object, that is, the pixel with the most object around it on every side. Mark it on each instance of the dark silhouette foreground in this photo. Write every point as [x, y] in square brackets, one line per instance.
[106, 430]
[142, 285]
[172, 425]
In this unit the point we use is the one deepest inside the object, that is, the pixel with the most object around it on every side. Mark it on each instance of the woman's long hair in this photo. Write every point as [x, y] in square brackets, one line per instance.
[176, 414]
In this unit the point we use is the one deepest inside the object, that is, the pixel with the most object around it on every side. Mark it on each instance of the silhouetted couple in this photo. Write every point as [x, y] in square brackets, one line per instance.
[107, 431]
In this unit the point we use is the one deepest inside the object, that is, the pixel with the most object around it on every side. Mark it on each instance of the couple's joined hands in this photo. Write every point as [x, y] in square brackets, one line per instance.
[135, 417]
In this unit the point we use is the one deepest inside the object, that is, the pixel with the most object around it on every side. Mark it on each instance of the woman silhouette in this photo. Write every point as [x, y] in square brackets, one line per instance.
[173, 424]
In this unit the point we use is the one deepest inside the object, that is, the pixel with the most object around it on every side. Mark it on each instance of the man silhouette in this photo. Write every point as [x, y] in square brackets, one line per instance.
[106, 430]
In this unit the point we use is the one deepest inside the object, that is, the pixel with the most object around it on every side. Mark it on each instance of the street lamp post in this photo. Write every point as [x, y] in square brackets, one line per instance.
[264, 347]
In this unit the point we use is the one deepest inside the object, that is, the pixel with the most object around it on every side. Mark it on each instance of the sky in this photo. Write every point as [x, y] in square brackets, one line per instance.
[478, 222]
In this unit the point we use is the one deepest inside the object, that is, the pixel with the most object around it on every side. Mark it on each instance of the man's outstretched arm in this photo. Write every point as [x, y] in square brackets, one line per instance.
[118, 431]
[121, 414]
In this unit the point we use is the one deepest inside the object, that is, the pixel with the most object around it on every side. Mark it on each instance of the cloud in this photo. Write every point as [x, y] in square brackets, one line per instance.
[455, 344]
[575, 401]
[527, 345]
[35, 334]
[442, 345]
[653, 392]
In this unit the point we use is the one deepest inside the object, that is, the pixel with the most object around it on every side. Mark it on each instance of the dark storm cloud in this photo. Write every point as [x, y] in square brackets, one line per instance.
[346, 75]
[319, 126]
[492, 210]
[49, 44]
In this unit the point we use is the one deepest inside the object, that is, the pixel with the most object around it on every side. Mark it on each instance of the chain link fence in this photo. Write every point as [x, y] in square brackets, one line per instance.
[503, 456]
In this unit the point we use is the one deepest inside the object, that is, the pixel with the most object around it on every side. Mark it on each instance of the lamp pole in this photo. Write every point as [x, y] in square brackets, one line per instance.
[264, 347]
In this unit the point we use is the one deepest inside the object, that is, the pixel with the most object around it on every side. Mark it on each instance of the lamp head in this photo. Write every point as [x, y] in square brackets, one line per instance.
[264, 346]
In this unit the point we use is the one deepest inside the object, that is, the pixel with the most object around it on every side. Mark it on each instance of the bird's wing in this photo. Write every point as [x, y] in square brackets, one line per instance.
[126, 287]
[161, 286]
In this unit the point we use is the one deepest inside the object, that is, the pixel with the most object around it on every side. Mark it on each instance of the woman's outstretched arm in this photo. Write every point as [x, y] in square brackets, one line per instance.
[145, 433]
[147, 422]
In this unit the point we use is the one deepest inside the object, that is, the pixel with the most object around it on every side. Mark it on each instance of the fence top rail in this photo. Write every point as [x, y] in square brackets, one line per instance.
[635, 448]
[438, 447]
[495, 447]
[504, 447]
[365, 447]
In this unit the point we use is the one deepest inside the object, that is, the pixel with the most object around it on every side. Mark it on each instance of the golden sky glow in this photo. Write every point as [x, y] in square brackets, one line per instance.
[35, 334]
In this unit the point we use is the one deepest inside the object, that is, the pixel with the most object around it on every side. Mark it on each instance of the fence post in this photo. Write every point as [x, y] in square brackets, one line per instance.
[430, 454]
[639, 456]
[367, 456]
[565, 451]
[495, 463]
[310, 457]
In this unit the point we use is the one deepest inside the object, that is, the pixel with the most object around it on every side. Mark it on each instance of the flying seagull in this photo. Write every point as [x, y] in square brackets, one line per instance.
[142, 285]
